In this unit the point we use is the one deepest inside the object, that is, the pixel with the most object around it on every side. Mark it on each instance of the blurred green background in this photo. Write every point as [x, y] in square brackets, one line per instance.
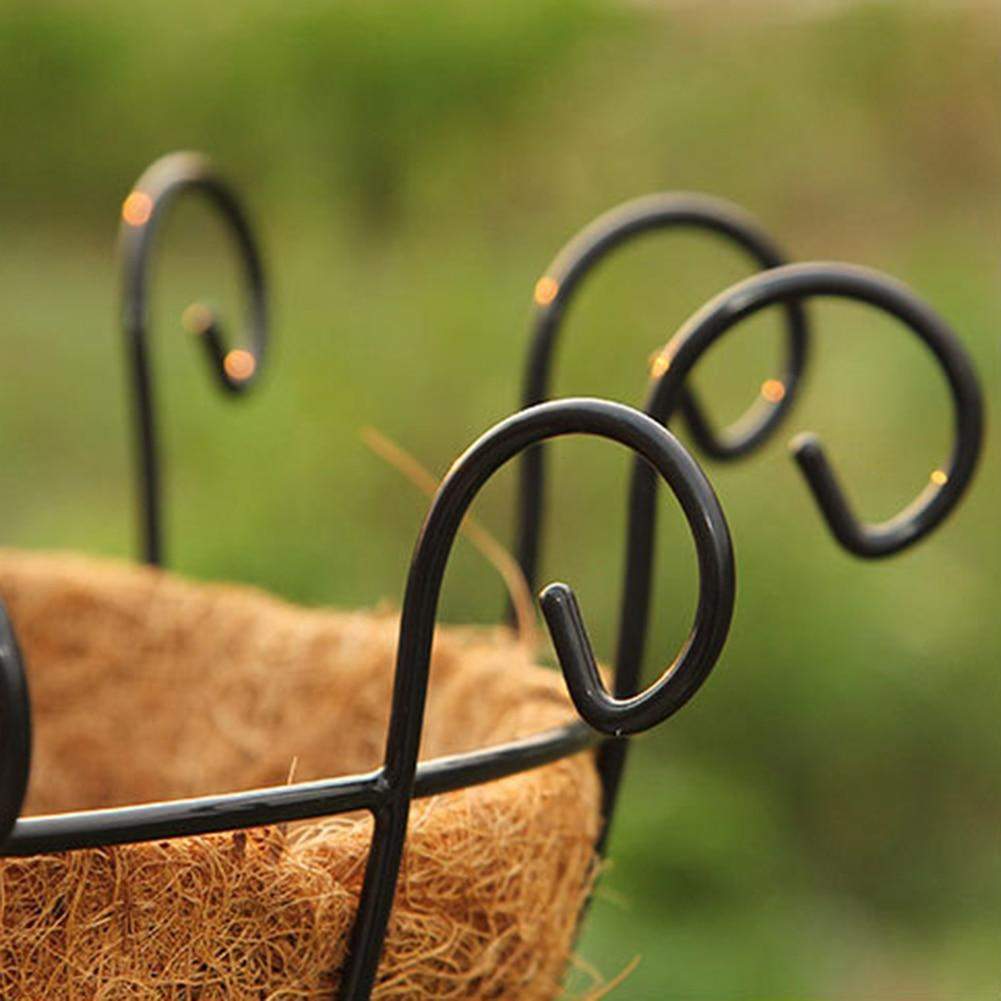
[824, 821]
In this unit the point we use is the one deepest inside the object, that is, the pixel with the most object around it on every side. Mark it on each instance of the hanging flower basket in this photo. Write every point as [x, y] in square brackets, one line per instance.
[190, 843]
[182, 836]
[148, 687]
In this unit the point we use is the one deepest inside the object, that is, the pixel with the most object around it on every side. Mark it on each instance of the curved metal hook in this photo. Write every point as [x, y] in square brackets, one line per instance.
[795, 282]
[791, 283]
[15, 728]
[555, 290]
[160, 185]
[665, 455]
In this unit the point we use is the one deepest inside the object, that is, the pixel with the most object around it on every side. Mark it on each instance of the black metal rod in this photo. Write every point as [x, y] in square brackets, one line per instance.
[554, 293]
[666, 456]
[15, 728]
[460, 771]
[280, 804]
[158, 188]
[945, 488]
[187, 817]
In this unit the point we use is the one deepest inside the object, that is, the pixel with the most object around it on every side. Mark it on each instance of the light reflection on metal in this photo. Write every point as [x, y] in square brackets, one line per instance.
[773, 390]
[660, 364]
[546, 290]
[137, 209]
[239, 364]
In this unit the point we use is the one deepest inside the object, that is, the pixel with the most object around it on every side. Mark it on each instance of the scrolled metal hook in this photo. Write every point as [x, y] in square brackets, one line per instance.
[618, 717]
[235, 369]
[554, 293]
[947, 483]
[15, 728]
[611, 716]
[791, 283]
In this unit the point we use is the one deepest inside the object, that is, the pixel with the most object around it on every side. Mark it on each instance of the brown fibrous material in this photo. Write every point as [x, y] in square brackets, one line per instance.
[147, 687]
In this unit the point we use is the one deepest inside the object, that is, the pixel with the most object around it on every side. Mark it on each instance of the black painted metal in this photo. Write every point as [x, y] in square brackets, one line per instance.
[795, 282]
[666, 456]
[554, 293]
[282, 804]
[15, 728]
[160, 185]
[387, 792]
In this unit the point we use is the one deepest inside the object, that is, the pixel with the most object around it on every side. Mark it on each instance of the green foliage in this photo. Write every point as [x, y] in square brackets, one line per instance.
[362, 87]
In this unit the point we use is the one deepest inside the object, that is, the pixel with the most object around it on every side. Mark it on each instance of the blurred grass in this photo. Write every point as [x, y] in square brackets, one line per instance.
[824, 820]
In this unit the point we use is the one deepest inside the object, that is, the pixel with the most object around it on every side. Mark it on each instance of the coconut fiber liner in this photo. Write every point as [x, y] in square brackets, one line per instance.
[148, 687]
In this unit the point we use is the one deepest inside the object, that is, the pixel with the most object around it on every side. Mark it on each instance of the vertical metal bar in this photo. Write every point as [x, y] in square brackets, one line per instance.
[15, 728]
[457, 491]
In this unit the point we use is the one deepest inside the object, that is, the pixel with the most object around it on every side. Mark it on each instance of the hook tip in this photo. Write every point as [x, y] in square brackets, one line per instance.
[805, 446]
[198, 318]
[556, 594]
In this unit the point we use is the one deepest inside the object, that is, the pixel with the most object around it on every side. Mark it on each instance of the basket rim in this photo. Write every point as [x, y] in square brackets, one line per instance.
[265, 806]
